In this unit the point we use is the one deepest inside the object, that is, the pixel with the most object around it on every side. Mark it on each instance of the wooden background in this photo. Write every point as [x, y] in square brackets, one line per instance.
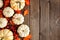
[33, 19]
[44, 19]
[50, 20]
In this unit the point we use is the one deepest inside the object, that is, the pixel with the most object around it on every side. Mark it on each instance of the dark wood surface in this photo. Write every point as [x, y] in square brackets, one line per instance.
[55, 19]
[50, 20]
[44, 19]
[33, 19]
[44, 23]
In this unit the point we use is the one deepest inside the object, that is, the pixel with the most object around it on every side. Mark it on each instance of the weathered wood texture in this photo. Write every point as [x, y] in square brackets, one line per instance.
[44, 23]
[33, 19]
[44, 16]
[54, 19]
[50, 20]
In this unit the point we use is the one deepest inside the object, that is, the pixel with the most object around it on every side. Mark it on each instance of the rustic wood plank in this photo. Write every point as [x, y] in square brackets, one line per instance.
[54, 19]
[26, 18]
[44, 25]
[34, 19]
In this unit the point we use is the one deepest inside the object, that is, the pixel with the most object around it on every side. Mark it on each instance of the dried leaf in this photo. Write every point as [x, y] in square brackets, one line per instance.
[26, 12]
[27, 2]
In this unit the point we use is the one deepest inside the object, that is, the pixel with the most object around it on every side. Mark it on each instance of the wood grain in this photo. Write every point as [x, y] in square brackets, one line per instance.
[44, 28]
[44, 16]
[54, 19]
[34, 19]
[50, 20]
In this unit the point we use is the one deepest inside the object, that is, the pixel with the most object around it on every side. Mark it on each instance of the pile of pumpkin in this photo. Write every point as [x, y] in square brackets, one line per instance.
[12, 14]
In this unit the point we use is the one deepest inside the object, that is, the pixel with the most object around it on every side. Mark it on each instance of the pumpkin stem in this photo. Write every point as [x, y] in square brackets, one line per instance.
[2, 38]
[18, 3]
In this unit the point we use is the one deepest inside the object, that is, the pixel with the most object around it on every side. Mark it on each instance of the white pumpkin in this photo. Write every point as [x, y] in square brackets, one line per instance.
[23, 30]
[17, 4]
[18, 19]
[1, 3]
[3, 22]
[8, 12]
[6, 34]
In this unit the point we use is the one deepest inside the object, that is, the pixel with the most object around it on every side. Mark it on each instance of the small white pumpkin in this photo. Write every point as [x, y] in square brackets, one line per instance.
[23, 30]
[17, 4]
[1, 3]
[6, 34]
[3, 22]
[8, 12]
[18, 19]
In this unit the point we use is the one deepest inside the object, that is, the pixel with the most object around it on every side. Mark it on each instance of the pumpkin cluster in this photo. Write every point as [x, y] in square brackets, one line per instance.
[12, 25]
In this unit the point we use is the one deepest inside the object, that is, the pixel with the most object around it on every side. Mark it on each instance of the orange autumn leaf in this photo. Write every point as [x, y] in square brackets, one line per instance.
[27, 38]
[6, 3]
[1, 16]
[11, 22]
[27, 2]
[17, 39]
[26, 12]
[1, 13]
[18, 11]
[0, 10]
